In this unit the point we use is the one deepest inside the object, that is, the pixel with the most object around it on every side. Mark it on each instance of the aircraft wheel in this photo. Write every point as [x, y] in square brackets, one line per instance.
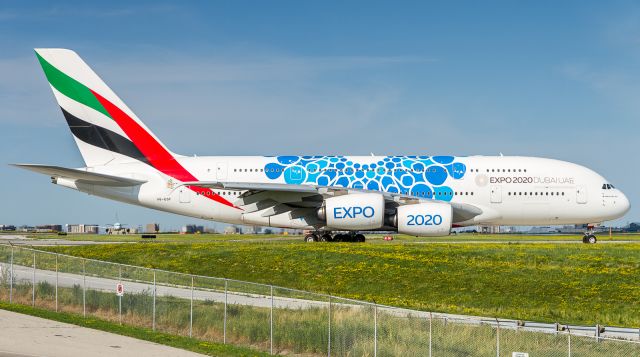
[585, 239]
[339, 238]
[359, 238]
[592, 239]
[310, 238]
[326, 237]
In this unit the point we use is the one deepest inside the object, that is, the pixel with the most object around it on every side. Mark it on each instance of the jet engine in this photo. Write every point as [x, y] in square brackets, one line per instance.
[430, 219]
[359, 211]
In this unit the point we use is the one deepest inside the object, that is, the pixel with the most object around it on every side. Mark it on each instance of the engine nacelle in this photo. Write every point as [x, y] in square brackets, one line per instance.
[424, 219]
[359, 211]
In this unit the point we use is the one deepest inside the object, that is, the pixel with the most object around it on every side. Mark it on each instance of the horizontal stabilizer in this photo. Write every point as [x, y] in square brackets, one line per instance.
[80, 175]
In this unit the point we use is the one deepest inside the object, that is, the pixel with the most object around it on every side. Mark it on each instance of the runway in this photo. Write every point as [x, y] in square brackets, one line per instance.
[18, 239]
[28, 336]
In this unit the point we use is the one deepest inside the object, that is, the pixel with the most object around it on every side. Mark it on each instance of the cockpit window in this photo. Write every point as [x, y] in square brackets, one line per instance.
[604, 186]
[607, 186]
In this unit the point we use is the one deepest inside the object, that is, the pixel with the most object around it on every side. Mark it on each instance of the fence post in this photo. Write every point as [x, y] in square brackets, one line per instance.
[84, 288]
[224, 327]
[569, 340]
[271, 323]
[430, 334]
[498, 338]
[11, 279]
[57, 282]
[33, 282]
[191, 310]
[375, 330]
[329, 340]
[153, 323]
[120, 295]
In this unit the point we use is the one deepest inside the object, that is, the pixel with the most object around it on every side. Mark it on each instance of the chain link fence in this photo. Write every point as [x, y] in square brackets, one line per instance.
[279, 320]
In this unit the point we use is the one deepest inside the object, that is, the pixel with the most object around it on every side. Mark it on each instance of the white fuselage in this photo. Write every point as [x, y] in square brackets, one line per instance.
[423, 194]
[509, 190]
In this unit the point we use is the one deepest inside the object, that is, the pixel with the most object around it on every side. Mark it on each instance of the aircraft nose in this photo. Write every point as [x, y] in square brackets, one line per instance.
[623, 204]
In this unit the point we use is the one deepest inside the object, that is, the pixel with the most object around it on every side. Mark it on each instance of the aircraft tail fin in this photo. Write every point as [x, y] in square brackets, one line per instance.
[104, 128]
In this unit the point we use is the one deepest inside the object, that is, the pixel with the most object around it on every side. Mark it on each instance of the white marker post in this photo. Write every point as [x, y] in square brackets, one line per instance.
[120, 293]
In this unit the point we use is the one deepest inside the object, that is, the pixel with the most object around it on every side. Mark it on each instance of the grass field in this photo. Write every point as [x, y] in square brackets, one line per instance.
[375, 238]
[190, 344]
[301, 332]
[568, 283]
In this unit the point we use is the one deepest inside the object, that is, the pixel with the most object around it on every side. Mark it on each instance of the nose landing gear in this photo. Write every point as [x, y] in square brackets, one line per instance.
[589, 238]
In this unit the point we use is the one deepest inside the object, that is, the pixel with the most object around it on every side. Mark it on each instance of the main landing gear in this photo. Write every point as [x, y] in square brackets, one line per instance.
[589, 238]
[338, 237]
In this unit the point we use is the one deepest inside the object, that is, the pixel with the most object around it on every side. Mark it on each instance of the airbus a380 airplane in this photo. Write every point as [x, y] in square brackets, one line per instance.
[416, 195]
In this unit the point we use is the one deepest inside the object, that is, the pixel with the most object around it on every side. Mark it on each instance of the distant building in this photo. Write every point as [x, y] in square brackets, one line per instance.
[47, 228]
[210, 230]
[252, 230]
[510, 229]
[231, 230]
[82, 228]
[122, 231]
[152, 228]
[7, 227]
[489, 229]
[572, 229]
[542, 230]
[191, 228]
[26, 228]
[633, 227]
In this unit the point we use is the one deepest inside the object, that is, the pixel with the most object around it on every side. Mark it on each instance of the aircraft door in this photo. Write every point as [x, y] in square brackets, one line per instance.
[296, 174]
[496, 194]
[581, 194]
[221, 171]
[185, 195]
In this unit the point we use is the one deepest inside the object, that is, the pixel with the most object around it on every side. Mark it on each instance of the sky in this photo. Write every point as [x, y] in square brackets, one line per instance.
[543, 78]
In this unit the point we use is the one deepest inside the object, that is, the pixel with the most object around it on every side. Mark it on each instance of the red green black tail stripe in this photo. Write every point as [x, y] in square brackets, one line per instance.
[69, 86]
[159, 157]
[152, 151]
[105, 139]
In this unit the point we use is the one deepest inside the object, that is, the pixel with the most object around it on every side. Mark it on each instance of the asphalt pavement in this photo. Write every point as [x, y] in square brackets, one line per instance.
[28, 336]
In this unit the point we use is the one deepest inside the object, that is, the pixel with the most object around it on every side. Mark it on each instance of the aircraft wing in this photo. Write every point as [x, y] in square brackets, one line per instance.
[301, 200]
[80, 175]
